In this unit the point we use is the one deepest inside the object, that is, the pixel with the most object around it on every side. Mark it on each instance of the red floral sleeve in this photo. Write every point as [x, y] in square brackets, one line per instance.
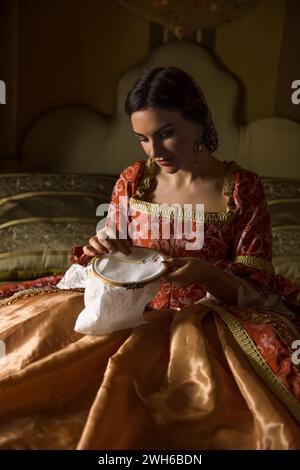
[125, 186]
[252, 238]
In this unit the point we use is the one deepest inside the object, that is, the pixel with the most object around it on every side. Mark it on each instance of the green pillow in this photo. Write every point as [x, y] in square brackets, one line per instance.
[283, 196]
[42, 216]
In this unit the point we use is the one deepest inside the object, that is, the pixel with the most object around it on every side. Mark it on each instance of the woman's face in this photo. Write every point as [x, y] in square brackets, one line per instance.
[166, 137]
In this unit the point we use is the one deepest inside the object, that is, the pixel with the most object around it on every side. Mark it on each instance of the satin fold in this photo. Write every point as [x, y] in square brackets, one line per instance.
[181, 381]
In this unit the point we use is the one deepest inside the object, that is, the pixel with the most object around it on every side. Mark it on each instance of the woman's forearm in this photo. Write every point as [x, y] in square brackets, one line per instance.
[222, 285]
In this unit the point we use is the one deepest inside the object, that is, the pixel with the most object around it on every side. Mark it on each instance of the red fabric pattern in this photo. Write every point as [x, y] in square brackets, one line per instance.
[277, 354]
[273, 339]
[249, 233]
[253, 236]
[6, 290]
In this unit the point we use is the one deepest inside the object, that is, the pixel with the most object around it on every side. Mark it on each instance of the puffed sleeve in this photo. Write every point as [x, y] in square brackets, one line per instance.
[251, 248]
[124, 188]
[117, 217]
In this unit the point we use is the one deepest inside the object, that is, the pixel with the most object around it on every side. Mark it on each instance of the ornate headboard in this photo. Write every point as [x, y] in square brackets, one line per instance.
[78, 139]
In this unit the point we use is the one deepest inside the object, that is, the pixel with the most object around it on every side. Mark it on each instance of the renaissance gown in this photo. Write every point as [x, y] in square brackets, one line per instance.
[199, 375]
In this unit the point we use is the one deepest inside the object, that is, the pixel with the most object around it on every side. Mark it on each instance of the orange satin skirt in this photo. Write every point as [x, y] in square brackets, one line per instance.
[182, 381]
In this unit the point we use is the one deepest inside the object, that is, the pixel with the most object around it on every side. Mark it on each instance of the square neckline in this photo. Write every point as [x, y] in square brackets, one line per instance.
[136, 202]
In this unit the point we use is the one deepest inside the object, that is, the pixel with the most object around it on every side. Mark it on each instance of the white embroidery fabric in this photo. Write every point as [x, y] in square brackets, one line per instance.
[107, 308]
[110, 308]
[75, 277]
[143, 264]
[250, 295]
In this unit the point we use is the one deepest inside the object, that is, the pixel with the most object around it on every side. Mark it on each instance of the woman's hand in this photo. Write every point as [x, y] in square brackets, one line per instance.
[186, 271]
[98, 245]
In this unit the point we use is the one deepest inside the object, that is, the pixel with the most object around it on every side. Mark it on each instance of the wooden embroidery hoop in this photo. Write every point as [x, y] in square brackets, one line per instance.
[139, 255]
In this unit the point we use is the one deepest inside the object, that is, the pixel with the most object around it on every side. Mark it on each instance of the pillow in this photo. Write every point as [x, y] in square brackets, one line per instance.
[283, 196]
[42, 216]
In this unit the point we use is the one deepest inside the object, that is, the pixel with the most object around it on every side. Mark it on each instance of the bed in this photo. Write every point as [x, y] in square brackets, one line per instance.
[70, 158]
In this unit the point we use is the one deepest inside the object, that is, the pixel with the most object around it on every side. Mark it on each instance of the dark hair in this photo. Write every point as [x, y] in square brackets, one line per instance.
[173, 89]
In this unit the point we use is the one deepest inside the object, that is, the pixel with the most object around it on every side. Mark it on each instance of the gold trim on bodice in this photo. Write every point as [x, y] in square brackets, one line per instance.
[136, 202]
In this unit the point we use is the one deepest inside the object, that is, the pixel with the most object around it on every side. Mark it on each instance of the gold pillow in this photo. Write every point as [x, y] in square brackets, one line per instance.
[42, 216]
[283, 195]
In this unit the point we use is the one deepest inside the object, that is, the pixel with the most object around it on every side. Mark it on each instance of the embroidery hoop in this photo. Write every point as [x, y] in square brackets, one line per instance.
[140, 256]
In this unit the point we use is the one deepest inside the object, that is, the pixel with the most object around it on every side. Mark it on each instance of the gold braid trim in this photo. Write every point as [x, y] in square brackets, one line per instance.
[165, 210]
[34, 291]
[256, 360]
[150, 208]
[255, 262]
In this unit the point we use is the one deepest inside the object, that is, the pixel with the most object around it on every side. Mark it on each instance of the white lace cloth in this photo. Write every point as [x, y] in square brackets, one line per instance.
[110, 308]
[75, 277]
[107, 308]
[250, 295]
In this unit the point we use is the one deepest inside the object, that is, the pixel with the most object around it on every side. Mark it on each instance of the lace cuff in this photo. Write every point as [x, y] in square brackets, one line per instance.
[250, 295]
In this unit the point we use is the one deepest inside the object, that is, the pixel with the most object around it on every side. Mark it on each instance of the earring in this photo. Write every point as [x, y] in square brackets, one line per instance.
[198, 146]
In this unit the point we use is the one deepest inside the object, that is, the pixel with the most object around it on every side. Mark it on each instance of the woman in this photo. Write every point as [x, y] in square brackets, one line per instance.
[213, 367]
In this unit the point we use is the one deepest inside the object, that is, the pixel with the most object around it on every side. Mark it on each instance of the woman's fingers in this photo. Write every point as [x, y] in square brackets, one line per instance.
[123, 246]
[99, 247]
[174, 275]
[175, 270]
[172, 265]
[114, 244]
[128, 243]
[174, 262]
[177, 278]
[89, 250]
